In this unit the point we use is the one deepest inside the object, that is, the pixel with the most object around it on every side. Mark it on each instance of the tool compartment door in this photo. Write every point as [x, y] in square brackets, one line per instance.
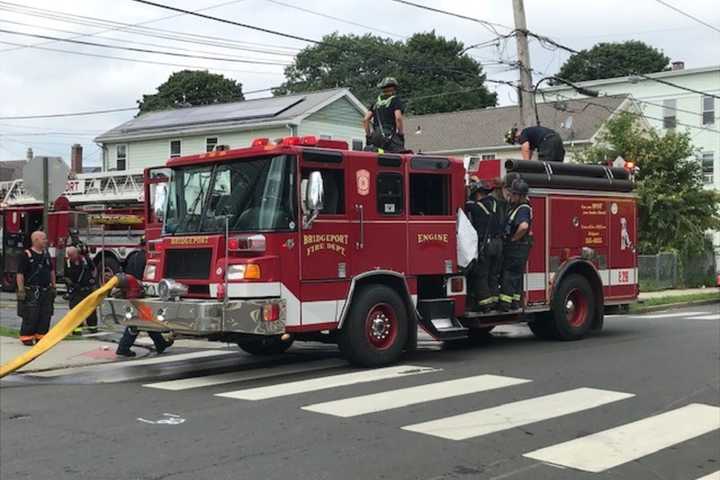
[622, 265]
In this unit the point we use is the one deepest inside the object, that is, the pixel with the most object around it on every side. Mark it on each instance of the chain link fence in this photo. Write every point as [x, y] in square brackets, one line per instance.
[665, 270]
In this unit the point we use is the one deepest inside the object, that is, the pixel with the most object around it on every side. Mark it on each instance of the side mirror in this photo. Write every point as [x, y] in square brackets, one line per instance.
[159, 198]
[312, 190]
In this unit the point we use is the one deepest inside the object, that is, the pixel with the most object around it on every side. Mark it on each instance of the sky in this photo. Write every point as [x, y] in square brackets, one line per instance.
[40, 81]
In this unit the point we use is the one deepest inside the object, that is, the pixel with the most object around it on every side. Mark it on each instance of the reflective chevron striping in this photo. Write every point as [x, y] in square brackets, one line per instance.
[244, 376]
[613, 447]
[323, 383]
[515, 414]
[378, 402]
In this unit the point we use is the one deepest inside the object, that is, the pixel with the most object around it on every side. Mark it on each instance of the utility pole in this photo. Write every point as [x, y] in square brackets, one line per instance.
[526, 96]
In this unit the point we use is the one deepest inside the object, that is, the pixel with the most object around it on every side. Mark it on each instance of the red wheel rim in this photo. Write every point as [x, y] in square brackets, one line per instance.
[576, 308]
[381, 326]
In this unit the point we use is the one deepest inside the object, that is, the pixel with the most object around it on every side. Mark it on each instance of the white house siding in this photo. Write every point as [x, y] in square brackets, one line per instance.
[340, 121]
[689, 109]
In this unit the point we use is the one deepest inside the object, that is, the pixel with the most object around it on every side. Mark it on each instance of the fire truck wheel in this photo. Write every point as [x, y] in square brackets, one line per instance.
[573, 308]
[112, 267]
[375, 331]
[266, 346]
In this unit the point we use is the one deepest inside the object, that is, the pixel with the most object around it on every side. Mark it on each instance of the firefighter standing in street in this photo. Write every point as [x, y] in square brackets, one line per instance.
[546, 141]
[35, 290]
[81, 280]
[484, 214]
[516, 247]
[385, 116]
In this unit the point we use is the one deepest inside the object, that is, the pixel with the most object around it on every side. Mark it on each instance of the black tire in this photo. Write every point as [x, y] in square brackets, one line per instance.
[266, 346]
[8, 283]
[375, 331]
[112, 266]
[541, 327]
[573, 309]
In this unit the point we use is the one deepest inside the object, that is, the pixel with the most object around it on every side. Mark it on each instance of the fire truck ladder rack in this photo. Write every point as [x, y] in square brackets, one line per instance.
[85, 188]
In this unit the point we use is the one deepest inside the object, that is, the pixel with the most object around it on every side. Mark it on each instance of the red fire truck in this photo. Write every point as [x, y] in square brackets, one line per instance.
[102, 210]
[303, 239]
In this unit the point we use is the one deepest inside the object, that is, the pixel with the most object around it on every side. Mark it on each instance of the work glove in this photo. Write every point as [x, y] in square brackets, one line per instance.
[21, 295]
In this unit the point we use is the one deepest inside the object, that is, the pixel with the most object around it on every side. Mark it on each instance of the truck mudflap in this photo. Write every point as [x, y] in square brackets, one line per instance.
[198, 317]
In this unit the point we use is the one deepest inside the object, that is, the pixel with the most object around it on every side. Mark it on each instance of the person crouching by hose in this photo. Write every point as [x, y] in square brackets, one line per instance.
[516, 247]
[484, 214]
[35, 290]
[81, 280]
[386, 118]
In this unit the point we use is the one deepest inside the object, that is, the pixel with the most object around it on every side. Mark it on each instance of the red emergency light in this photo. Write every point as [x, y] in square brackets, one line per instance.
[260, 142]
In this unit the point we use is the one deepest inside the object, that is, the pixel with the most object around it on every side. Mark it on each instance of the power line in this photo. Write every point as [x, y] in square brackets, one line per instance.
[142, 50]
[338, 19]
[681, 12]
[74, 114]
[490, 26]
[136, 60]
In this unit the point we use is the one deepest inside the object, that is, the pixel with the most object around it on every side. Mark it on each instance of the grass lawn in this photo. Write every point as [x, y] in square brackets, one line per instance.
[9, 332]
[673, 299]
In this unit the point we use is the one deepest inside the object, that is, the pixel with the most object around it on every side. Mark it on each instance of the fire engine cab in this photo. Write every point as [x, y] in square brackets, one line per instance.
[303, 239]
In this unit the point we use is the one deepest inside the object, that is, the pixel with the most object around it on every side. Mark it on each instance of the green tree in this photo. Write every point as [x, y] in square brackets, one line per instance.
[617, 59]
[190, 88]
[673, 208]
[425, 65]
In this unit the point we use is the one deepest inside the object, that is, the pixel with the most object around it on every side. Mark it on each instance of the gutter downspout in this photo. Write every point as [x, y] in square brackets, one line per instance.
[292, 128]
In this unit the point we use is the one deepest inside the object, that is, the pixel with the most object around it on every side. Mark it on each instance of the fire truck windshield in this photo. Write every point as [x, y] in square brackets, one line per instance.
[253, 194]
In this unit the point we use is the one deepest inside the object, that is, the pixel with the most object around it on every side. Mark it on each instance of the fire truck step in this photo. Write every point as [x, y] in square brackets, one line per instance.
[437, 317]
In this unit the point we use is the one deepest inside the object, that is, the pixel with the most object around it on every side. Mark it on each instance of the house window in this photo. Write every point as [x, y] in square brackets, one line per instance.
[669, 109]
[210, 143]
[487, 156]
[708, 167]
[423, 204]
[389, 193]
[121, 157]
[357, 144]
[175, 148]
[708, 110]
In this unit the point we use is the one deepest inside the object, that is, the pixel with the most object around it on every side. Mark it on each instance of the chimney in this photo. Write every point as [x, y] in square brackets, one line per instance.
[76, 158]
[678, 65]
[29, 154]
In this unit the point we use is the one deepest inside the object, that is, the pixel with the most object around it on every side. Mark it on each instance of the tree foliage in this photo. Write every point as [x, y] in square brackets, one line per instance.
[191, 88]
[617, 59]
[425, 65]
[674, 209]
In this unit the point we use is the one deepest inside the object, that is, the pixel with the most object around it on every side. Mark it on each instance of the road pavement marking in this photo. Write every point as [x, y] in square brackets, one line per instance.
[670, 315]
[256, 374]
[712, 476]
[610, 448]
[378, 402]
[323, 383]
[712, 316]
[515, 414]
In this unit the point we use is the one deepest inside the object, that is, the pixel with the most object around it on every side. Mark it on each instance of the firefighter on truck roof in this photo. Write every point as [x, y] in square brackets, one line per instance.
[484, 214]
[35, 290]
[516, 247]
[385, 116]
[546, 141]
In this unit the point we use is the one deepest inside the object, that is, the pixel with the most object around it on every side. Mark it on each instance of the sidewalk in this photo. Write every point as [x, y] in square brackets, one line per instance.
[677, 293]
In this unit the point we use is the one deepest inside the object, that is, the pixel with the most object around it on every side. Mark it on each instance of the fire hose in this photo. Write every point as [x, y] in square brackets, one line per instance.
[63, 328]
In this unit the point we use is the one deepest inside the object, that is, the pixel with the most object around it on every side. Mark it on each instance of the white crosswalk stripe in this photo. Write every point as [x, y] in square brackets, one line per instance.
[324, 383]
[404, 397]
[616, 446]
[712, 316]
[515, 414]
[246, 375]
[712, 476]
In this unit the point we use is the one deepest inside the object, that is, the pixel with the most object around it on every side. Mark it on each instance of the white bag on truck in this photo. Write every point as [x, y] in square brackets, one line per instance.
[467, 240]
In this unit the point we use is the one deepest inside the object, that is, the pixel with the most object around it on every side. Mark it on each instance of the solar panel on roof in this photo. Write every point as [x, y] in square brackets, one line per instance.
[226, 112]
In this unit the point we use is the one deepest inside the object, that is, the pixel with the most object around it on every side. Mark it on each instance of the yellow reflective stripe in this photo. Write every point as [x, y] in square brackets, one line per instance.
[483, 207]
[514, 212]
[505, 298]
[486, 301]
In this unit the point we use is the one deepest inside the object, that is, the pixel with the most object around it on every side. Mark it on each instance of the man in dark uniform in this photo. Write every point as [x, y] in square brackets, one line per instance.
[386, 118]
[483, 212]
[516, 247]
[35, 290]
[81, 280]
[546, 141]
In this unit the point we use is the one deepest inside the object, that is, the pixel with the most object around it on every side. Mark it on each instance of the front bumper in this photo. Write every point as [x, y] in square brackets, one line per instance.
[197, 317]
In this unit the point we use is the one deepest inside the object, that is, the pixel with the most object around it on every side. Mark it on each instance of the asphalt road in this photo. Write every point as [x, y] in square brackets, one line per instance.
[641, 400]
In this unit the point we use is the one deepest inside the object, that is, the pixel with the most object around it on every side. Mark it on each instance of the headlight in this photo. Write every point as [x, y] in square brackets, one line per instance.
[249, 271]
[150, 271]
[168, 289]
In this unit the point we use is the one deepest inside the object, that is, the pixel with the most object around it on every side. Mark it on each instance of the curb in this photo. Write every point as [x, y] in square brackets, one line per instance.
[63, 367]
[672, 306]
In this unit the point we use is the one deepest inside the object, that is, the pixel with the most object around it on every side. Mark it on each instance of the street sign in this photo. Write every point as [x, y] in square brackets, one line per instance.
[57, 177]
